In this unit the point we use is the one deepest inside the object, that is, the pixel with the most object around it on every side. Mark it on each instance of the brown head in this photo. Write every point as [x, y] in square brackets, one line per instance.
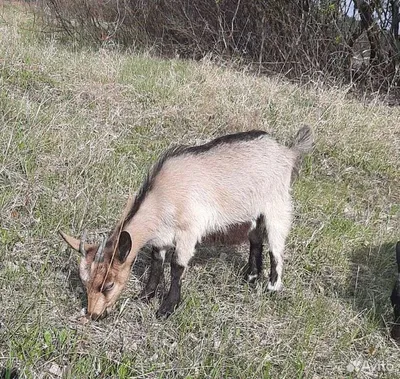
[103, 272]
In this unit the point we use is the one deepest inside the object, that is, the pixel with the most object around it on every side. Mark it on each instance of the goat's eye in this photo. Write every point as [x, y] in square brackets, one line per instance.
[108, 287]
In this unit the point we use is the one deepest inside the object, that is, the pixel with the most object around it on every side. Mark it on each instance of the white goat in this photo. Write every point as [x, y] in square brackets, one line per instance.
[191, 192]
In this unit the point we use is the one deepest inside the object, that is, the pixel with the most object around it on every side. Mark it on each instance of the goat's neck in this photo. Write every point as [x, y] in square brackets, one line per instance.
[142, 228]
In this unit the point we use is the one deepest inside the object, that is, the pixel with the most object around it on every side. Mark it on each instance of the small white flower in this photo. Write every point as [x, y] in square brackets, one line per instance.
[55, 369]
[354, 366]
[350, 368]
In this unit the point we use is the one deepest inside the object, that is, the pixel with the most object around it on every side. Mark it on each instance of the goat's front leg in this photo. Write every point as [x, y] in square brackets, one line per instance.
[174, 295]
[156, 271]
[184, 251]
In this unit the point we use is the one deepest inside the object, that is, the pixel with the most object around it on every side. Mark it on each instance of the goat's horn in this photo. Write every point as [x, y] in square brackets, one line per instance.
[82, 245]
[100, 251]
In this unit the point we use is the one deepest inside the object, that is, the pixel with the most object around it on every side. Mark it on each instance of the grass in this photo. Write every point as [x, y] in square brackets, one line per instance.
[78, 130]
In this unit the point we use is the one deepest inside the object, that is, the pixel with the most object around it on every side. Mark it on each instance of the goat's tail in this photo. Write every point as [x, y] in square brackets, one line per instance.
[303, 140]
[302, 144]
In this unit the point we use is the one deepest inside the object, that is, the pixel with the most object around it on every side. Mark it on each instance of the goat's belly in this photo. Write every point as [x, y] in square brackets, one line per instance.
[233, 235]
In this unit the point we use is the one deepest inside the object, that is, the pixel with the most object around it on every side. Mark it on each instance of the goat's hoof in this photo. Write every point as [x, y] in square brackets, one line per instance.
[166, 309]
[163, 314]
[274, 287]
[395, 333]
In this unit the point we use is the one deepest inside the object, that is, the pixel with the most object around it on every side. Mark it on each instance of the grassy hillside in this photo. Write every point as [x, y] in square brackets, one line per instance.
[78, 130]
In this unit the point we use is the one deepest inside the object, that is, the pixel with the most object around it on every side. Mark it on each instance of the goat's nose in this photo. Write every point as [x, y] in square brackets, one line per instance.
[96, 316]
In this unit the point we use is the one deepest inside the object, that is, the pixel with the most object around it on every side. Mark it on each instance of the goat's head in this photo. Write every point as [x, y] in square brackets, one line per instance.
[395, 298]
[103, 272]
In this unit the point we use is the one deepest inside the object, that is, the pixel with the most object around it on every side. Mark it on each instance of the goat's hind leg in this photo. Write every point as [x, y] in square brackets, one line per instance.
[156, 271]
[278, 226]
[256, 237]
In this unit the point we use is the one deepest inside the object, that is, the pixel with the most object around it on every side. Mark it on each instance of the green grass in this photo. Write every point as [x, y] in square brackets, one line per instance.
[78, 130]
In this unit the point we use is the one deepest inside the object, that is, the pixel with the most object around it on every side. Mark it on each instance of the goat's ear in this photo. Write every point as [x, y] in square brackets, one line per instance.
[398, 254]
[124, 245]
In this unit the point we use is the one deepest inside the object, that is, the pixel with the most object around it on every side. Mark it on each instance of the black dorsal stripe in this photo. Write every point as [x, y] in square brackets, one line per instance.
[228, 139]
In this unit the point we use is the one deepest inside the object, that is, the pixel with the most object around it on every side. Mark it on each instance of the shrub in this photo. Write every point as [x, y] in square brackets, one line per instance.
[295, 38]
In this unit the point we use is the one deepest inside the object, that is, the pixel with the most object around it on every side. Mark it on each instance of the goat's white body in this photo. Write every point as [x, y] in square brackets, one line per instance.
[240, 180]
[234, 183]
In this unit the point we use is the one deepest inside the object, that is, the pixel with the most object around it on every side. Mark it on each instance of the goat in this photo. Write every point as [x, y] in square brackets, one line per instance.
[395, 299]
[192, 192]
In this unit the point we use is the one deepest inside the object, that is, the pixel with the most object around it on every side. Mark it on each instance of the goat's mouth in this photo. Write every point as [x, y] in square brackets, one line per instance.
[95, 316]
[101, 316]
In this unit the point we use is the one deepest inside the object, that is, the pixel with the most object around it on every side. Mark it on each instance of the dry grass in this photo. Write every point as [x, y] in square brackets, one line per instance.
[78, 130]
